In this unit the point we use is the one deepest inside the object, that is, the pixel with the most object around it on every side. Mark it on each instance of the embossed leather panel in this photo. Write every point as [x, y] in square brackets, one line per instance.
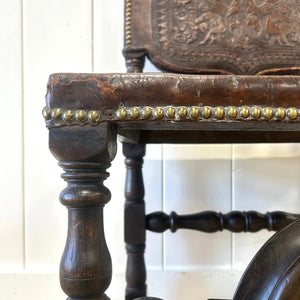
[226, 36]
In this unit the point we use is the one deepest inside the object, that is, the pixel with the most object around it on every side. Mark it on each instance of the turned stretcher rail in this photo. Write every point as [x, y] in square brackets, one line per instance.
[210, 221]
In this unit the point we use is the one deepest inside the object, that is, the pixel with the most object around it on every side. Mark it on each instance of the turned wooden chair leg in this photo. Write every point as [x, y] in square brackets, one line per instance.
[85, 154]
[135, 221]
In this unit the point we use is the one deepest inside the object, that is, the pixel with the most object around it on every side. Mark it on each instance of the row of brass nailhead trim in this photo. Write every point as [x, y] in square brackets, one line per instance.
[128, 22]
[173, 113]
[207, 112]
[71, 116]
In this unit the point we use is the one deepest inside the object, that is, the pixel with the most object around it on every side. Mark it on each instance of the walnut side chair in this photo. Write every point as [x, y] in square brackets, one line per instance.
[231, 75]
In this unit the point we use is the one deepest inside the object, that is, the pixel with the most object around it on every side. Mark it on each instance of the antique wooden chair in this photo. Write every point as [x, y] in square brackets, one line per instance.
[235, 79]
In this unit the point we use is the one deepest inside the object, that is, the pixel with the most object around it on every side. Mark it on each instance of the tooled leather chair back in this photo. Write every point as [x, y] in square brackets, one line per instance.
[243, 37]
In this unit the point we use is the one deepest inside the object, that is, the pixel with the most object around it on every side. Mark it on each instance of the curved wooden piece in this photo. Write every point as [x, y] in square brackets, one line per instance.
[274, 271]
[85, 154]
[135, 221]
[288, 287]
[210, 221]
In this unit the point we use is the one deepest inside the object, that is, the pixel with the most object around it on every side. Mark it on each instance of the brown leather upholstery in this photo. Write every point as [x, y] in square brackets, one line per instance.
[155, 107]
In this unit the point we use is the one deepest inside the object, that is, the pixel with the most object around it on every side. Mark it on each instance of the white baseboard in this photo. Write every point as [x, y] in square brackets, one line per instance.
[164, 284]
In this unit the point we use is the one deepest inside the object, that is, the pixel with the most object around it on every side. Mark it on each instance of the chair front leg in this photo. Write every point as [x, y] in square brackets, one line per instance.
[135, 235]
[85, 153]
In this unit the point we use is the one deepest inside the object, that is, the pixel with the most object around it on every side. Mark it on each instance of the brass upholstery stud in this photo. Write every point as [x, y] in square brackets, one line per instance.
[146, 112]
[56, 114]
[256, 112]
[46, 113]
[280, 113]
[268, 113]
[94, 116]
[219, 112]
[206, 112]
[121, 114]
[232, 112]
[182, 112]
[81, 116]
[170, 112]
[244, 112]
[194, 112]
[159, 113]
[292, 113]
[134, 113]
[69, 116]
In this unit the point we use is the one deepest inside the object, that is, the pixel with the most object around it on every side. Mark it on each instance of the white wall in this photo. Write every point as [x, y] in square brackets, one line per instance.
[41, 37]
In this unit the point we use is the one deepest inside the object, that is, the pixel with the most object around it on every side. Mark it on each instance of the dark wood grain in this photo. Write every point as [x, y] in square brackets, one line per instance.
[287, 288]
[135, 235]
[274, 271]
[218, 136]
[210, 221]
[85, 269]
